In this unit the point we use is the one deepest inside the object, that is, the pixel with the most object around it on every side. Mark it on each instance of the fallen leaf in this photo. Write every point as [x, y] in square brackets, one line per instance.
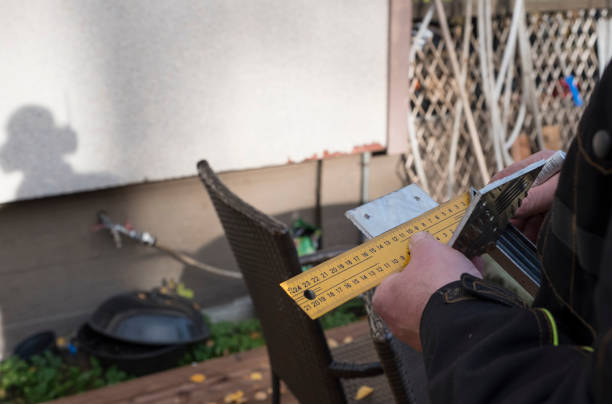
[363, 392]
[332, 343]
[256, 376]
[348, 340]
[261, 396]
[235, 398]
[197, 378]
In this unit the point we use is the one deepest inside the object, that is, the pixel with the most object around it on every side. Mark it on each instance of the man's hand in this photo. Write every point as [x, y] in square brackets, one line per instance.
[401, 298]
[528, 218]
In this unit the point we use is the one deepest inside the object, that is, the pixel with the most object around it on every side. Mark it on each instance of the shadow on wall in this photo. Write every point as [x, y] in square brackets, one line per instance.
[37, 146]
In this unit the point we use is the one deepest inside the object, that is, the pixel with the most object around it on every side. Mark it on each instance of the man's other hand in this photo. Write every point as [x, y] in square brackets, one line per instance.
[401, 298]
[529, 217]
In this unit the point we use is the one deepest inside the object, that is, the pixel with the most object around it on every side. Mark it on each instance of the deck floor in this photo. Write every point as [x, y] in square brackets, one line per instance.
[248, 372]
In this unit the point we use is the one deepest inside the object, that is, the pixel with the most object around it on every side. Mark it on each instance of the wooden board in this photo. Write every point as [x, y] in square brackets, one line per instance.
[551, 134]
[520, 149]
[223, 376]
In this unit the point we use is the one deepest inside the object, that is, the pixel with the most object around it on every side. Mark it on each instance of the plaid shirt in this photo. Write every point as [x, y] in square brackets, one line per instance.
[481, 344]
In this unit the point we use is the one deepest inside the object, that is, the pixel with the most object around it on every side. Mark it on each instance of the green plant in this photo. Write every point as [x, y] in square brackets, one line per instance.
[349, 312]
[227, 337]
[48, 377]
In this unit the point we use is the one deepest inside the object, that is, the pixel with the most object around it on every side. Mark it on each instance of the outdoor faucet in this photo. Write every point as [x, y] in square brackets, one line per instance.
[116, 230]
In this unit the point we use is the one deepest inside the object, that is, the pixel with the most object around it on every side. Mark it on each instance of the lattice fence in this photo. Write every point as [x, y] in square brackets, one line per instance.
[562, 43]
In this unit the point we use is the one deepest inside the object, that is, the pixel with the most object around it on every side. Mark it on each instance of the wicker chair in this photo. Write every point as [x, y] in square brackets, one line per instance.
[297, 348]
[404, 367]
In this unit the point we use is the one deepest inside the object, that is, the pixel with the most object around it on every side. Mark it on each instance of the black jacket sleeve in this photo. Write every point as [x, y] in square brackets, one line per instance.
[482, 345]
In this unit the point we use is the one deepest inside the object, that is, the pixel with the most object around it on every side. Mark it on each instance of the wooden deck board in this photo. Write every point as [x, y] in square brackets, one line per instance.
[223, 376]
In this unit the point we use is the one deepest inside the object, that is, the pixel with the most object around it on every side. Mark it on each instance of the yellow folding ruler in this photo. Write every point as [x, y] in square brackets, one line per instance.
[328, 285]
[471, 223]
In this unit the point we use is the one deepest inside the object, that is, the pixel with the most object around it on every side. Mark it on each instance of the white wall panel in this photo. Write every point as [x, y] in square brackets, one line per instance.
[106, 92]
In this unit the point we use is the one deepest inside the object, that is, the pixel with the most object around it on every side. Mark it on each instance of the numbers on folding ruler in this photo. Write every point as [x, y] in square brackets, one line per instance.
[328, 285]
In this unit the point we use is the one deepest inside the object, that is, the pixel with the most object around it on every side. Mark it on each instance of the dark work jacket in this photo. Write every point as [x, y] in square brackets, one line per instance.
[482, 345]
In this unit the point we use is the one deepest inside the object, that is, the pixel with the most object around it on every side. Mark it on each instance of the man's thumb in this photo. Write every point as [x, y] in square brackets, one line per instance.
[419, 243]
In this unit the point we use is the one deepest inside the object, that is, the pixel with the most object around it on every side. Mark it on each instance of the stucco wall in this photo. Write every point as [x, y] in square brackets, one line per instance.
[108, 92]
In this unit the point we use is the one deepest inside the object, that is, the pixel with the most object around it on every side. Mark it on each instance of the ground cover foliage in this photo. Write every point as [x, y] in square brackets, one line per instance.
[49, 376]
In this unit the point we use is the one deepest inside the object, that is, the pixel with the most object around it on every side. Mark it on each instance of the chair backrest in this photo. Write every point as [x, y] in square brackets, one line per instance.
[266, 255]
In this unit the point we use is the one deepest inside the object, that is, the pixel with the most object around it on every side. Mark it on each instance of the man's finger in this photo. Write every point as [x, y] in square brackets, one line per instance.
[542, 154]
[426, 250]
[532, 227]
[417, 240]
[423, 247]
[539, 199]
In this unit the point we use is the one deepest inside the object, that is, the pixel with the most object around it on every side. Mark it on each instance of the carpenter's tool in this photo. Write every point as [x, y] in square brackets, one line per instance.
[471, 222]
[491, 209]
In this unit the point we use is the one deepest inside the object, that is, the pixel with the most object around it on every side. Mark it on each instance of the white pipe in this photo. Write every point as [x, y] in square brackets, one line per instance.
[452, 158]
[467, 32]
[460, 83]
[510, 47]
[482, 51]
[529, 78]
[499, 131]
[506, 73]
[414, 144]
[604, 43]
[506, 111]
[420, 32]
[365, 176]
[602, 47]
[507, 92]
[486, 84]
[609, 43]
[414, 147]
[517, 127]
[488, 19]
[507, 156]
